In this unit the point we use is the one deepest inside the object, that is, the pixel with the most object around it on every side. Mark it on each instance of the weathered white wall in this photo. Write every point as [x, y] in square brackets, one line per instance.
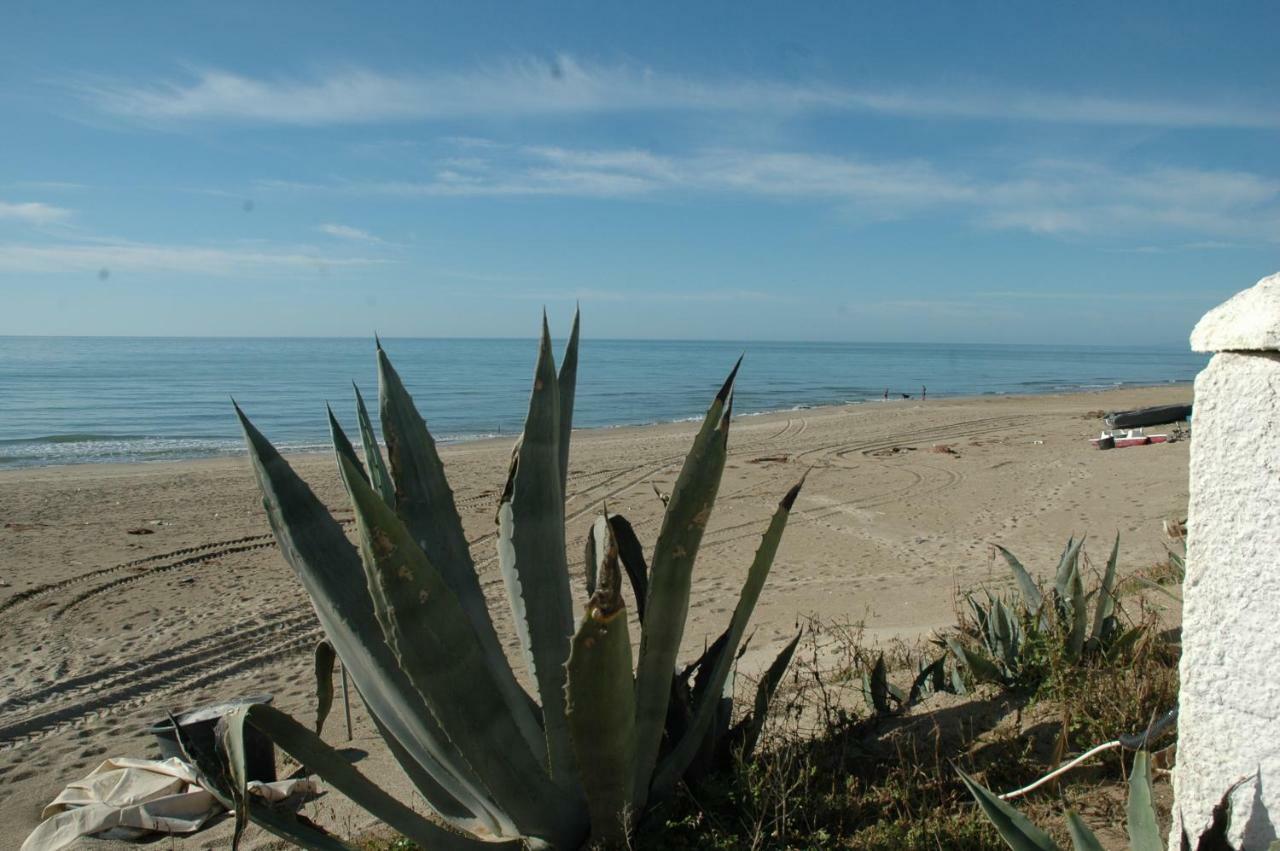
[1229, 723]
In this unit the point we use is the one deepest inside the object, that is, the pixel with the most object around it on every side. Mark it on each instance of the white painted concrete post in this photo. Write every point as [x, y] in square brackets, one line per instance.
[1229, 723]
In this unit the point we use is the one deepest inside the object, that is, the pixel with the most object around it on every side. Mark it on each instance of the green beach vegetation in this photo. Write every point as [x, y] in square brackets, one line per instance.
[824, 750]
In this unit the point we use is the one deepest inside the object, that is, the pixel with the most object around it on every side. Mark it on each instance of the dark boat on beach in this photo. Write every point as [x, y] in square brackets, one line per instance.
[1143, 417]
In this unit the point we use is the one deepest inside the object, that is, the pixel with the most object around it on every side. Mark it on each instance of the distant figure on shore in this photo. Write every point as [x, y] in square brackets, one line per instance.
[886, 394]
[924, 392]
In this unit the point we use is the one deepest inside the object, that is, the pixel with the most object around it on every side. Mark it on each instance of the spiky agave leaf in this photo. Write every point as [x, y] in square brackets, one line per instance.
[566, 384]
[330, 570]
[1141, 824]
[379, 477]
[630, 554]
[743, 737]
[675, 763]
[1014, 828]
[427, 629]
[1027, 587]
[1068, 563]
[932, 678]
[601, 708]
[979, 666]
[424, 501]
[1079, 614]
[1082, 838]
[1104, 614]
[875, 688]
[531, 556]
[683, 524]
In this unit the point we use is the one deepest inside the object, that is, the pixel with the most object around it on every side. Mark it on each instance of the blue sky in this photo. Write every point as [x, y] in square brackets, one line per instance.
[1003, 172]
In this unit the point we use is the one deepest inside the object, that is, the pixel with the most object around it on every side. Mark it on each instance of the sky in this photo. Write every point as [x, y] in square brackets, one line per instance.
[1096, 173]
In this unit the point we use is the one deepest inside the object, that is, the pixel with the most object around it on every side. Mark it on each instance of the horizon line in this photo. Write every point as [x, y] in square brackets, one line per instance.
[534, 337]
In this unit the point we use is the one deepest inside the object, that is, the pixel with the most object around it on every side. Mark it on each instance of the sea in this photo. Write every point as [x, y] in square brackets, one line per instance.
[74, 400]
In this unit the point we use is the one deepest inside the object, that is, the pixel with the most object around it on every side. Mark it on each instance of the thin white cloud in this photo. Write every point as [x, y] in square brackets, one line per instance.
[53, 185]
[349, 233]
[118, 257]
[32, 212]
[644, 294]
[1051, 197]
[565, 86]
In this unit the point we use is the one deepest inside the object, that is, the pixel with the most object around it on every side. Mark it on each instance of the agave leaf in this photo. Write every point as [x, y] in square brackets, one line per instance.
[1006, 645]
[436, 645]
[1027, 587]
[678, 759]
[424, 501]
[329, 568]
[567, 382]
[522, 711]
[1143, 829]
[1106, 597]
[328, 763]
[1068, 563]
[932, 677]
[878, 685]
[981, 615]
[378, 475]
[437, 795]
[342, 445]
[531, 555]
[601, 708]
[1013, 827]
[1079, 615]
[324, 658]
[746, 734]
[981, 668]
[1082, 838]
[631, 554]
[683, 524]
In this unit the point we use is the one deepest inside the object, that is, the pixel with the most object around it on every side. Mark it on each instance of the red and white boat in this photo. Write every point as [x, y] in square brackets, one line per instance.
[1119, 438]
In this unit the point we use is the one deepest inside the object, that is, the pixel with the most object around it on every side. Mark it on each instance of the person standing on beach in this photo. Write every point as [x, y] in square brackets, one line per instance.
[886, 394]
[924, 392]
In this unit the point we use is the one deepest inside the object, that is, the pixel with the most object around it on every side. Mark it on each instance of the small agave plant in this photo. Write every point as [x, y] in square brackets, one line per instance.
[602, 739]
[1004, 634]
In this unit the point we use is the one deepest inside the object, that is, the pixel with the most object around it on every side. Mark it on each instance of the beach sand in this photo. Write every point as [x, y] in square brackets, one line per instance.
[135, 589]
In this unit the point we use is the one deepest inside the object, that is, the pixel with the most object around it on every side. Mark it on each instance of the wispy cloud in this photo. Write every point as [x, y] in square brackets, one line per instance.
[349, 233]
[148, 257]
[564, 85]
[648, 295]
[32, 212]
[1052, 197]
[52, 185]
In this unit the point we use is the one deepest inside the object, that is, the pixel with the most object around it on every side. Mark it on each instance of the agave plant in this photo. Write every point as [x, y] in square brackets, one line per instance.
[1141, 823]
[886, 699]
[591, 749]
[1006, 636]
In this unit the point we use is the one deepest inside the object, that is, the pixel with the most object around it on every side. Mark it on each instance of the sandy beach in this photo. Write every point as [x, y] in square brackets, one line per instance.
[135, 589]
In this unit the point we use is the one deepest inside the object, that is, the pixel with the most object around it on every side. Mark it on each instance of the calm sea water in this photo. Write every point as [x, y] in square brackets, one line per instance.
[66, 400]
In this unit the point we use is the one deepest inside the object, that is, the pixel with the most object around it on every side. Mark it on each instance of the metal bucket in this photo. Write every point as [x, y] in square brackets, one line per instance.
[198, 726]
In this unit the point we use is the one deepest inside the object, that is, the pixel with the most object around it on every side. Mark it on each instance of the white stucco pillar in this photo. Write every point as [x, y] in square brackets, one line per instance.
[1229, 723]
